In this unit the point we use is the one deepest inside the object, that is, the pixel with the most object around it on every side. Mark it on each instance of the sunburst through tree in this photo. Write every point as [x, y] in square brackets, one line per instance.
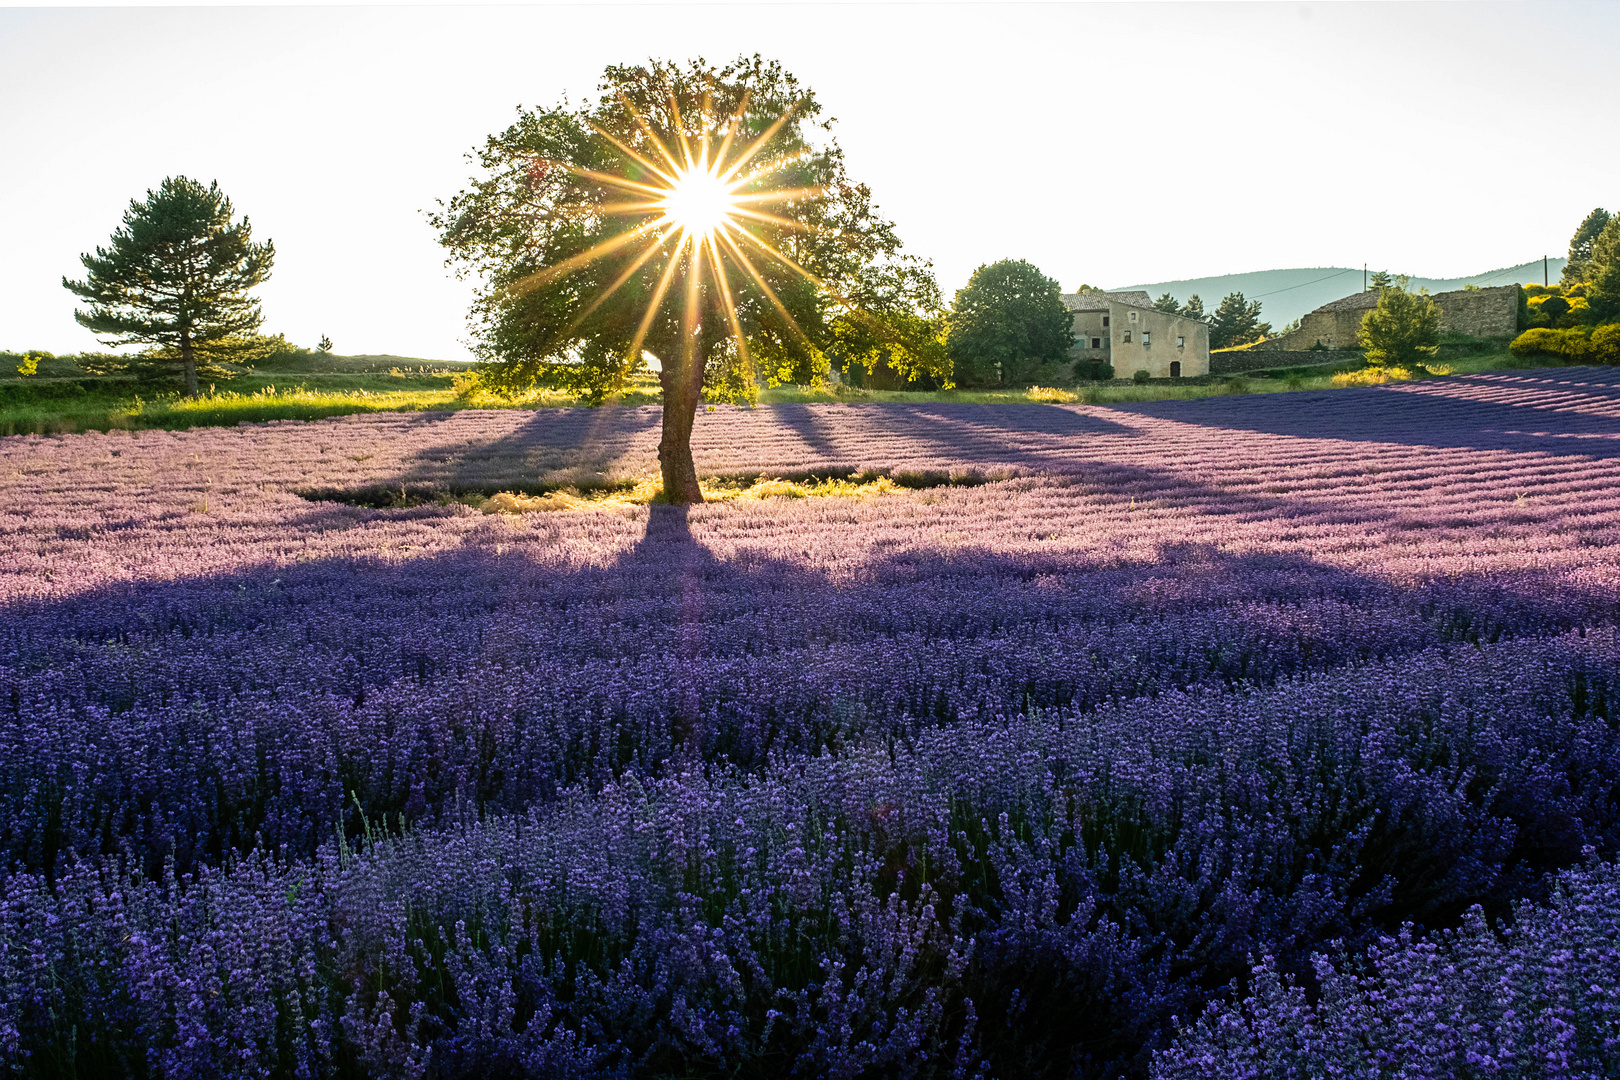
[691, 216]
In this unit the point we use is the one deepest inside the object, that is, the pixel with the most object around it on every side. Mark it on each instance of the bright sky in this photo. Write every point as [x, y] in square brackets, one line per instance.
[1105, 143]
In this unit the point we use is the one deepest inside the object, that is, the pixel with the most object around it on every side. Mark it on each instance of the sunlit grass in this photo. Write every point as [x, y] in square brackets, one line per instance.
[715, 489]
[318, 396]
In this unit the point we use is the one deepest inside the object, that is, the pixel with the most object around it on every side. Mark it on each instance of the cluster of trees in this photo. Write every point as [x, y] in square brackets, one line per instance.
[1578, 320]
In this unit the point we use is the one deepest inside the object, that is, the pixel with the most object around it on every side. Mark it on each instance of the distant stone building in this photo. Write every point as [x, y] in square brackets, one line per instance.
[1485, 313]
[1125, 330]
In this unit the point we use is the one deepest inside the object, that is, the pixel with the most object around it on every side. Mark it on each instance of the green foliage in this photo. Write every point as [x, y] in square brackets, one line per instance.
[547, 313]
[1005, 323]
[1094, 370]
[893, 325]
[175, 277]
[325, 344]
[1403, 329]
[1579, 267]
[1604, 291]
[1575, 345]
[1236, 322]
[1167, 304]
[1193, 308]
[1141, 376]
[1380, 280]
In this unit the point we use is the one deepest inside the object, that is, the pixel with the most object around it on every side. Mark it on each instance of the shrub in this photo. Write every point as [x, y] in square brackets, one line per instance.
[1404, 328]
[1576, 345]
[1093, 370]
[1141, 375]
[1052, 394]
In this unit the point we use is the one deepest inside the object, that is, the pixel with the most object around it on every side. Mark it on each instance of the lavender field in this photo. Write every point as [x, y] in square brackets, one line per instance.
[1272, 735]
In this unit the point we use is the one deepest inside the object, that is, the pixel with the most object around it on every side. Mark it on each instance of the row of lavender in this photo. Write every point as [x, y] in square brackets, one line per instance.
[1072, 745]
[1080, 878]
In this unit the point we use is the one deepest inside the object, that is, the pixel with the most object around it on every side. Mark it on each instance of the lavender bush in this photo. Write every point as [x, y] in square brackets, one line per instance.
[1537, 999]
[986, 780]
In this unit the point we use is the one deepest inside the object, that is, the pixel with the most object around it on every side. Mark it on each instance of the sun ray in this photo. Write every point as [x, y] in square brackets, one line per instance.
[657, 299]
[680, 130]
[734, 124]
[758, 144]
[724, 288]
[556, 270]
[618, 283]
[647, 130]
[779, 257]
[770, 294]
[618, 181]
[760, 215]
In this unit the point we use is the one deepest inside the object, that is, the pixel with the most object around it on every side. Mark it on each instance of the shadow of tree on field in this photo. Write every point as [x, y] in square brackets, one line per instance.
[1567, 412]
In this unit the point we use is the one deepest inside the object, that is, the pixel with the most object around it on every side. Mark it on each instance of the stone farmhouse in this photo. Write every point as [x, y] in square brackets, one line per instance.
[1125, 330]
[1486, 313]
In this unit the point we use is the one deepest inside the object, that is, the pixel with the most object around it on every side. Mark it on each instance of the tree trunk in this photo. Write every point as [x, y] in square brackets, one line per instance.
[683, 389]
[188, 360]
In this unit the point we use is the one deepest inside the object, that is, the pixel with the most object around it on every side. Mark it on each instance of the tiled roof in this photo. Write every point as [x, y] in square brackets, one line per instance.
[1099, 301]
[1353, 302]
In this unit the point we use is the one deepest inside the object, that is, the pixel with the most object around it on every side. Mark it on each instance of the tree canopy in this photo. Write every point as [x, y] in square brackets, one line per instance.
[176, 276]
[1193, 308]
[1579, 267]
[1167, 304]
[1236, 322]
[695, 214]
[1403, 329]
[1007, 321]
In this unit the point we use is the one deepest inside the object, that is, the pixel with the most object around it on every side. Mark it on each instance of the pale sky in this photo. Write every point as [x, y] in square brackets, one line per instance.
[1106, 143]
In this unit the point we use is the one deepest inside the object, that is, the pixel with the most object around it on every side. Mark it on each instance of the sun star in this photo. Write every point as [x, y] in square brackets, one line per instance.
[700, 202]
[697, 205]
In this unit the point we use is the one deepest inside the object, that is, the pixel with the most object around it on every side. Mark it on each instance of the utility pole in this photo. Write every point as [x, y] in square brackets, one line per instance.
[1363, 277]
[1544, 279]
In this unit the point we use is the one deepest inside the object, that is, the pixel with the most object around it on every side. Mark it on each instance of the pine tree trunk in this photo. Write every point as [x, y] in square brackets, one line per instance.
[683, 389]
[188, 360]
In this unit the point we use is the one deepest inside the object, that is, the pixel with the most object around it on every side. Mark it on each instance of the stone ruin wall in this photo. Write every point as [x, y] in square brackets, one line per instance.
[1483, 313]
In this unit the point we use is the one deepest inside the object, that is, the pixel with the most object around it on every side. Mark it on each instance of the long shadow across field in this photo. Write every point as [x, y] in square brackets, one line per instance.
[265, 708]
[1562, 413]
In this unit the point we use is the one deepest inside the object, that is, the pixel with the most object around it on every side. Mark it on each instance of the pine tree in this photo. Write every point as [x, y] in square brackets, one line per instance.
[1404, 328]
[1167, 304]
[1236, 322]
[1580, 268]
[1193, 308]
[176, 276]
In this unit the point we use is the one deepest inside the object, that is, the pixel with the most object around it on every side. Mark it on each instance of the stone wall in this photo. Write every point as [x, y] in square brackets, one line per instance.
[1230, 363]
[1486, 313]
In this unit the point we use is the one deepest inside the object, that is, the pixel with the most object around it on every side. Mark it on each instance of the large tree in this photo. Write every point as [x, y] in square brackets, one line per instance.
[1236, 322]
[1006, 321]
[176, 277]
[696, 215]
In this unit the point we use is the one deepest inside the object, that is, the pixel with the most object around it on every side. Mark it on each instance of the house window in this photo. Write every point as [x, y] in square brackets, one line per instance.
[1175, 369]
[1181, 343]
[1105, 320]
[1133, 316]
[1127, 337]
[1147, 339]
[1096, 343]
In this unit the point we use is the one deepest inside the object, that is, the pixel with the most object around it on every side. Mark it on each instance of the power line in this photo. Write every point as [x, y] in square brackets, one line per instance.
[1302, 284]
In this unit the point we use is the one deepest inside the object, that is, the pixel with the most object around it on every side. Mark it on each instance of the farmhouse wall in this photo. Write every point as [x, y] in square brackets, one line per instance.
[1118, 323]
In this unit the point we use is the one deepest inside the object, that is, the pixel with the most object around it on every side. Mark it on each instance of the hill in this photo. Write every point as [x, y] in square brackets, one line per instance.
[1285, 295]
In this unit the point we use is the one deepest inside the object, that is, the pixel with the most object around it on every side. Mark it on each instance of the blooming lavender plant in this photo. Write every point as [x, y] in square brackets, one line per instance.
[971, 780]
